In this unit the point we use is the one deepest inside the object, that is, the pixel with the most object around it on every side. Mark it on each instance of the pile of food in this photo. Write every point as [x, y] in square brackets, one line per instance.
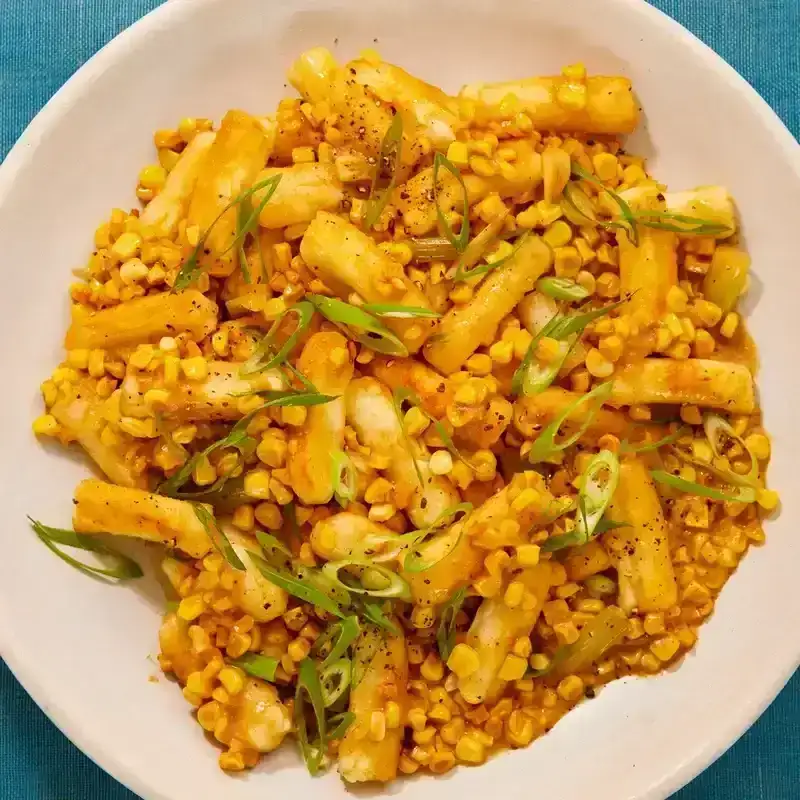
[441, 408]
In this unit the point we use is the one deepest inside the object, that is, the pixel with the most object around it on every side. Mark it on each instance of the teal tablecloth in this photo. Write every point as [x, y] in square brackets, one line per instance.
[43, 41]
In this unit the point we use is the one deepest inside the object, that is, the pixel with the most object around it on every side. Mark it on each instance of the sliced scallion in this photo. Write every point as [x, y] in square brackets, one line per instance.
[545, 445]
[649, 447]
[308, 685]
[385, 177]
[341, 635]
[258, 666]
[385, 582]
[247, 219]
[679, 223]
[218, 538]
[345, 479]
[123, 569]
[446, 632]
[625, 210]
[562, 289]
[359, 325]
[301, 589]
[598, 484]
[264, 357]
[399, 311]
[718, 430]
[745, 494]
[490, 266]
[461, 240]
[376, 615]
[335, 681]
[414, 560]
[340, 724]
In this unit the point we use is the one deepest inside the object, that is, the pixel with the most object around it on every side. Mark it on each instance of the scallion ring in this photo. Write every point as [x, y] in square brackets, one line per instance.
[340, 635]
[344, 478]
[264, 357]
[460, 241]
[717, 430]
[218, 538]
[384, 582]
[258, 666]
[399, 311]
[446, 632]
[308, 685]
[562, 289]
[335, 680]
[415, 558]
[385, 177]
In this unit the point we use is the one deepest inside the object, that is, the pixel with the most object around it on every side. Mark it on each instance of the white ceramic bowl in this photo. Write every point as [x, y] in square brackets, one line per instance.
[80, 647]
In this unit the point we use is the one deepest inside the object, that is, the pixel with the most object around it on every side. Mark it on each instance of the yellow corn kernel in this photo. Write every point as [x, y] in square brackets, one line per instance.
[432, 669]
[633, 174]
[470, 750]
[666, 647]
[96, 363]
[513, 668]
[441, 463]
[522, 647]
[558, 234]
[457, 153]
[597, 364]
[139, 428]
[573, 96]
[232, 679]
[605, 166]
[46, 425]
[256, 484]
[527, 497]
[208, 714]
[417, 720]
[729, 325]
[608, 284]
[758, 445]
[513, 595]
[482, 166]
[611, 347]
[127, 246]
[570, 688]
[707, 312]
[527, 555]
[704, 344]
[567, 262]
[294, 415]
[677, 300]
[415, 421]
[272, 451]
[463, 660]
[768, 499]
[502, 352]
[190, 608]
[153, 177]
[195, 368]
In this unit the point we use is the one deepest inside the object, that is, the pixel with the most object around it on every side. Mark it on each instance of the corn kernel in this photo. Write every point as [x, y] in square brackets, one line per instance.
[470, 750]
[758, 445]
[513, 668]
[190, 608]
[46, 425]
[457, 153]
[463, 660]
[572, 96]
[432, 669]
[527, 555]
[195, 369]
[441, 462]
[570, 688]
[768, 499]
[605, 166]
[633, 174]
[527, 497]
[558, 234]
[597, 364]
[257, 484]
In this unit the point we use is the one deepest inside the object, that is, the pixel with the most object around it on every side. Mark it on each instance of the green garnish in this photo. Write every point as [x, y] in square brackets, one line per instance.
[490, 266]
[308, 685]
[562, 289]
[745, 494]
[340, 723]
[606, 524]
[385, 177]
[649, 447]
[190, 269]
[301, 589]
[413, 561]
[359, 325]
[258, 666]
[598, 484]
[625, 210]
[400, 396]
[345, 479]
[271, 545]
[719, 432]
[124, 568]
[342, 634]
[335, 680]
[446, 632]
[247, 219]
[375, 614]
[218, 538]
[264, 357]
[546, 447]
[385, 582]
[460, 241]
[399, 311]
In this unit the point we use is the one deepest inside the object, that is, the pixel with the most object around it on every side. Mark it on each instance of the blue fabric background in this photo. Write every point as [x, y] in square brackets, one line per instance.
[42, 42]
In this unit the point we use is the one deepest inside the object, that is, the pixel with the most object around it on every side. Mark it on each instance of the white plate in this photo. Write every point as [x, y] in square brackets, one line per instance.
[80, 647]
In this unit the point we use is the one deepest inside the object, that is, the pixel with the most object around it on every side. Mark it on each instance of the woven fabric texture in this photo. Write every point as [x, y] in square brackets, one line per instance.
[44, 42]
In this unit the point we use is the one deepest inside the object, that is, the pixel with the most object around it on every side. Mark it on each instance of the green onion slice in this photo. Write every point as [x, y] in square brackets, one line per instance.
[247, 220]
[340, 724]
[359, 325]
[273, 547]
[342, 634]
[490, 266]
[606, 524]
[625, 210]
[264, 357]
[302, 589]
[446, 632]
[649, 447]
[385, 583]
[562, 289]
[461, 240]
[546, 447]
[258, 666]
[335, 681]
[345, 478]
[679, 223]
[375, 614]
[414, 561]
[409, 396]
[598, 484]
[190, 269]
[385, 177]
[218, 538]
[123, 569]
[399, 311]
[719, 432]
[745, 494]
[308, 685]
